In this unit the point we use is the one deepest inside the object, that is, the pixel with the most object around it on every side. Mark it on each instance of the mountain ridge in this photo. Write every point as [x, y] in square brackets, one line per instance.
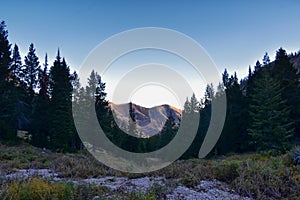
[149, 121]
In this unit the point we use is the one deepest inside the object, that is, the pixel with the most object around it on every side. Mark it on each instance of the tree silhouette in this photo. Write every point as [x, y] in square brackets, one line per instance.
[61, 129]
[31, 70]
[270, 127]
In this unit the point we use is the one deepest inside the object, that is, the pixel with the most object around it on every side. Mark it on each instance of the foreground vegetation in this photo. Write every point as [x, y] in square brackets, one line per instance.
[260, 176]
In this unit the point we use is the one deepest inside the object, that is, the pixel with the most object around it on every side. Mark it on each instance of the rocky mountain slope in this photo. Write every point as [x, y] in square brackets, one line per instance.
[149, 121]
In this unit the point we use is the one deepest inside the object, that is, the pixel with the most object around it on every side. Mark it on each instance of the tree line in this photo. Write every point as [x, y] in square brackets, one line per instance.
[262, 109]
[35, 98]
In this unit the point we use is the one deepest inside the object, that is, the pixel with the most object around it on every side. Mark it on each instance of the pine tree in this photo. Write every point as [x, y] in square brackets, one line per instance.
[288, 79]
[5, 59]
[31, 70]
[78, 108]
[233, 133]
[95, 95]
[194, 103]
[16, 67]
[225, 78]
[8, 121]
[257, 66]
[168, 132]
[43, 79]
[61, 123]
[190, 113]
[220, 90]
[270, 127]
[187, 106]
[100, 93]
[94, 100]
[235, 79]
[249, 72]
[266, 59]
[40, 110]
[209, 94]
[92, 85]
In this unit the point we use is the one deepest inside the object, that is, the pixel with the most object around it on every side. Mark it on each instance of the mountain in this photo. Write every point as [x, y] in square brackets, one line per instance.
[295, 60]
[149, 121]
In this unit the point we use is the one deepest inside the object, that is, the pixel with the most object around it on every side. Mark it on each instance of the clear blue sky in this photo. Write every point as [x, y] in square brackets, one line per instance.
[234, 33]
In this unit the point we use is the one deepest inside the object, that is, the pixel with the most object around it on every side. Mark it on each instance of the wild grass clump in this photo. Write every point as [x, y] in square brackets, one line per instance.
[269, 179]
[226, 171]
[36, 189]
[40, 189]
[24, 156]
[77, 166]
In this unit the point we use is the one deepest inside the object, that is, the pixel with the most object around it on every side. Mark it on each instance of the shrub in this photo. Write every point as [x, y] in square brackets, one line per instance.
[270, 179]
[37, 189]
[226, 171]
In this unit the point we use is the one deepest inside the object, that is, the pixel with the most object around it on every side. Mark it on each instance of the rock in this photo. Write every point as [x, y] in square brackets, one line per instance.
[297, 159]
[211, 190]
[26, 173]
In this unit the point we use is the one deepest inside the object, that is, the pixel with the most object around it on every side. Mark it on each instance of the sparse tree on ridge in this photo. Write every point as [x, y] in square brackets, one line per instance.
[209, 94]
[266, 59]
[257, 66]
[225, 78]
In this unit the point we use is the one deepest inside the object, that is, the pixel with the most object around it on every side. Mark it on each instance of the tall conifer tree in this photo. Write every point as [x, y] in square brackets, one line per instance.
[270, 127]
[31, 70]
[16, 66]
[61, 128]
[7, 104]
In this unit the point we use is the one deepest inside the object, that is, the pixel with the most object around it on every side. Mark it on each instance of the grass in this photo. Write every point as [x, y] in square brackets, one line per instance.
[260, 176]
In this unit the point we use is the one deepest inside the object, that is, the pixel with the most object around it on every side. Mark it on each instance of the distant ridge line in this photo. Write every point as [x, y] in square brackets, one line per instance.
[120, 104]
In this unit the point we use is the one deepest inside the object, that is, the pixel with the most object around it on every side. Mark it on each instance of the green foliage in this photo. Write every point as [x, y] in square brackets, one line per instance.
[284, 72]
[37, 189]
[40, 111]
[226, 171]
[16, 66]
[269, 179]
[5, 59]
[233, 136]
[7, 126]
[61, 130]
[270, 127]
[31, 70]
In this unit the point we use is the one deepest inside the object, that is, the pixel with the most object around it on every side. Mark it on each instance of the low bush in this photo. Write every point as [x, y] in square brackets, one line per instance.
[270, 179]
[36, 189]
